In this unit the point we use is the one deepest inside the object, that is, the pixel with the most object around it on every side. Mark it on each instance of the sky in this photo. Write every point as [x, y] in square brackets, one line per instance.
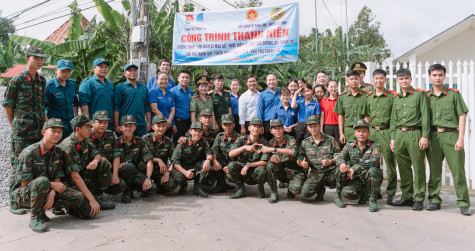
[405, 24]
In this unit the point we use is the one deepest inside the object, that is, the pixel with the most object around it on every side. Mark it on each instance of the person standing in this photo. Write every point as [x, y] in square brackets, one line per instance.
[181, 97]
[97, 93]
[164, 65]
[61, 99]
[321, 79]
[328, 116]
[201, 100]
[361, 68]
[306, 107]
[248, 104]
[285, 113]
[131, 98]
[448, 120]
[320, 92]
[221, 99]
[234, 100]
[24, 104]
[410, 128]
[377, 111]
[162, 102]
[267, 100]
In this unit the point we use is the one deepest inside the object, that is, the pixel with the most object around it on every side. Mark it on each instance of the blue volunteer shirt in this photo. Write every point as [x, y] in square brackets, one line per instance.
[164, 101]
[267, 100]
[234, 104]
[130, 100]
[97, 96]
[182, 101]
[60, 100]
[288, 117]
[152, 83]
[303, 111]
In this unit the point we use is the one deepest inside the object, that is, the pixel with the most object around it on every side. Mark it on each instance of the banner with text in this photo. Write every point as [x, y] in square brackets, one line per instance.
[245, 36]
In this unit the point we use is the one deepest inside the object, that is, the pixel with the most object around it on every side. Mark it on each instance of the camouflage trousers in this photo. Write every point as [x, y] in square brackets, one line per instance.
[97, 180]
[257, 175]
[284, 172]
[318, 179]
[365, 184]
[200, 177]
[134, 177]
[17, 145]
[168, 186]
[35, 194]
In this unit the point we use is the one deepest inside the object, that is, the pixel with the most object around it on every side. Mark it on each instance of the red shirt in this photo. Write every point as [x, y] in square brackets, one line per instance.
[327, 105]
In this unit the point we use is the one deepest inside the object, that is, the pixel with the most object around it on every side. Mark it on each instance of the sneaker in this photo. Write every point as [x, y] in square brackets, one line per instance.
[18, 211]
[37, 225]
[106, 205]
[338, 202]
[373, 207]
[273, 197]
[241, 192]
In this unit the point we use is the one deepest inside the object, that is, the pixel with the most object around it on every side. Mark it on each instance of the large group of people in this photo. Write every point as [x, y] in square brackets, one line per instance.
[69, 147]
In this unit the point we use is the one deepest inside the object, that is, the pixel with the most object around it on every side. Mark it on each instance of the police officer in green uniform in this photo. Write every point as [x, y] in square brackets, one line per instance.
[361, 68]
[448, 118]
[24, 103]
[410, 127]
[348, 107]
[360, 174]
[221, 99]
[377, 111]
[201, 100]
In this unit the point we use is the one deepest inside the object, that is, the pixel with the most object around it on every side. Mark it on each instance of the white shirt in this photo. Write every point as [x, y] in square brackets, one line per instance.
[248, 106]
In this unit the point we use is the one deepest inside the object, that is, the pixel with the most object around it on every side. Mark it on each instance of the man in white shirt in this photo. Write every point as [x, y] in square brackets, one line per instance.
[248, 104]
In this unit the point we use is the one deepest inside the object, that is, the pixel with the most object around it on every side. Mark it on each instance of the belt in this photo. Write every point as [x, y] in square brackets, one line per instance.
[411, 128]
[178, 119]
[443, 129]
[379, 128]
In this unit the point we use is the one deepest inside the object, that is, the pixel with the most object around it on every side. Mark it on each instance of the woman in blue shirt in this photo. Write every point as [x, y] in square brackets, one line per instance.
[234, 86]
[306, 107]
[162, 102]
[285, 113]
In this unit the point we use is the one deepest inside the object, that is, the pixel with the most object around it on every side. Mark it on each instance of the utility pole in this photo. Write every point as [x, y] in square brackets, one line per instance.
[140, 39]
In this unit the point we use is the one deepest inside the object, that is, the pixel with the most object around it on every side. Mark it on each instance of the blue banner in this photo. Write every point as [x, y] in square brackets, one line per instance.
[262, 35]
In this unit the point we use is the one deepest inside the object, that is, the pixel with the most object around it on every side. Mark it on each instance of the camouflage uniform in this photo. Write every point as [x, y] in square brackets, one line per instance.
[221, 147]
[192, 156]
[26, 96]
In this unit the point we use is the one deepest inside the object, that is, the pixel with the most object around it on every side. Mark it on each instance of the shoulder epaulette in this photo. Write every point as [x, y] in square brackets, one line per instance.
[369, 94]
[210, 91]
[420, 90]
[224, 90]
[395, 94]
[370, 84]
[452, 89]
[342, 93]
[196, 96]
[428, 91]
[346, 86]
[366, 91]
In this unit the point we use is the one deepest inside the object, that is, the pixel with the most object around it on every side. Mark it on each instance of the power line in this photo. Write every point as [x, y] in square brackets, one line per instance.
[329, 12]
[18, 13]
[230, 4]
[198, 4]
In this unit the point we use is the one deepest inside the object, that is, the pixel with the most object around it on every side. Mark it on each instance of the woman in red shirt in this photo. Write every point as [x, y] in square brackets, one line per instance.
[330, 118]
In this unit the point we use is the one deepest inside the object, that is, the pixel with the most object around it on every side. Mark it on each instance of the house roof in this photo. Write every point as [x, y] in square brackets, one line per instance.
[17, 69]
[58, 36]
[467, 23]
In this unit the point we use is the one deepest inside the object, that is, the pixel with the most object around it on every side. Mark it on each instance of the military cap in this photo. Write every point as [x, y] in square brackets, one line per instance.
[360, 123]
[127, 66]
[314, 119]
[35, 51]
[64, 64]
[206, 112]
[99, 61]
[256, 121]
[227, 118]
[359, 66]
[80, 120]
[127, 119]
[158, 119]
[196, 125]
[54, 122]
[101, 115]
[202, 80]
[276, 122]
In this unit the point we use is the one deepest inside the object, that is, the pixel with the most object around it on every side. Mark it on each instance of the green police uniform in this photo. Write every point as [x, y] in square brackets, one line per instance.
[162, 149]
[350, 107]
[221, 104]
[25, 94]
[192, 156]
[378, 109]
[198, 104]
[364, 87]
[367, 177]
[314, 153]
[410, 122]
[445, 111]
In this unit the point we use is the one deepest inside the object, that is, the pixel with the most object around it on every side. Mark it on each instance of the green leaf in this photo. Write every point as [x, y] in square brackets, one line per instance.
[31, 41]
[126, 5]
[115, 71]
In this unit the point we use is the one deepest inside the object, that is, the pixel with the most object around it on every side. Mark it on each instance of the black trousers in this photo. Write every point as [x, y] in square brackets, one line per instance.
[237, 127]
[301, 132]
[333, 131]
[182, 126]
[267, 135]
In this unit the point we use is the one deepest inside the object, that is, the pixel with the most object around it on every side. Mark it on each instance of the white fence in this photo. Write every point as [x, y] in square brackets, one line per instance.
[461, 76]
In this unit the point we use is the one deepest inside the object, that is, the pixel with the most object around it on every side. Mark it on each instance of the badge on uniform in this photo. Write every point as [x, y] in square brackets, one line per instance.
[199, 148]
[85, 150]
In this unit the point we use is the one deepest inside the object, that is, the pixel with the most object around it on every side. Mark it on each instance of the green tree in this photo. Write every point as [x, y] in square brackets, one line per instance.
[6, 29]
[247, 3]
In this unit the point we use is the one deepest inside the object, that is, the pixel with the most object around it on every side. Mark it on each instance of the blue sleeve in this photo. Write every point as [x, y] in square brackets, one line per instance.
[317, 109]
[172, 103]
[260, 107]
[47, 104]
[150, 82]
[146, 102]
[117, 97]
[84, 93]
[273, 113]
[152, 97]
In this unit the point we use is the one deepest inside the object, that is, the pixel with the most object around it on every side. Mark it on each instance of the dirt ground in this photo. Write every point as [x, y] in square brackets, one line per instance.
[171, 222]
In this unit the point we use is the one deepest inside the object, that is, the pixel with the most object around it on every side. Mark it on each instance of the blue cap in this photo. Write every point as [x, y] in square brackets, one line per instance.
[64, 64]
[100, 61]
[127, 66]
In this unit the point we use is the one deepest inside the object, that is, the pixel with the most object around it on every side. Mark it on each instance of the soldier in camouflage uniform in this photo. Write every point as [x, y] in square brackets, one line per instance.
[206, 118]
[106, 144]
[90, 173]
[319, 152]
[193, 160]
[135, 156]
[282, 150]
[360, 174]
[161, 148]
[24, 104]
[250, 166]
[222, 145]
[37, 184]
